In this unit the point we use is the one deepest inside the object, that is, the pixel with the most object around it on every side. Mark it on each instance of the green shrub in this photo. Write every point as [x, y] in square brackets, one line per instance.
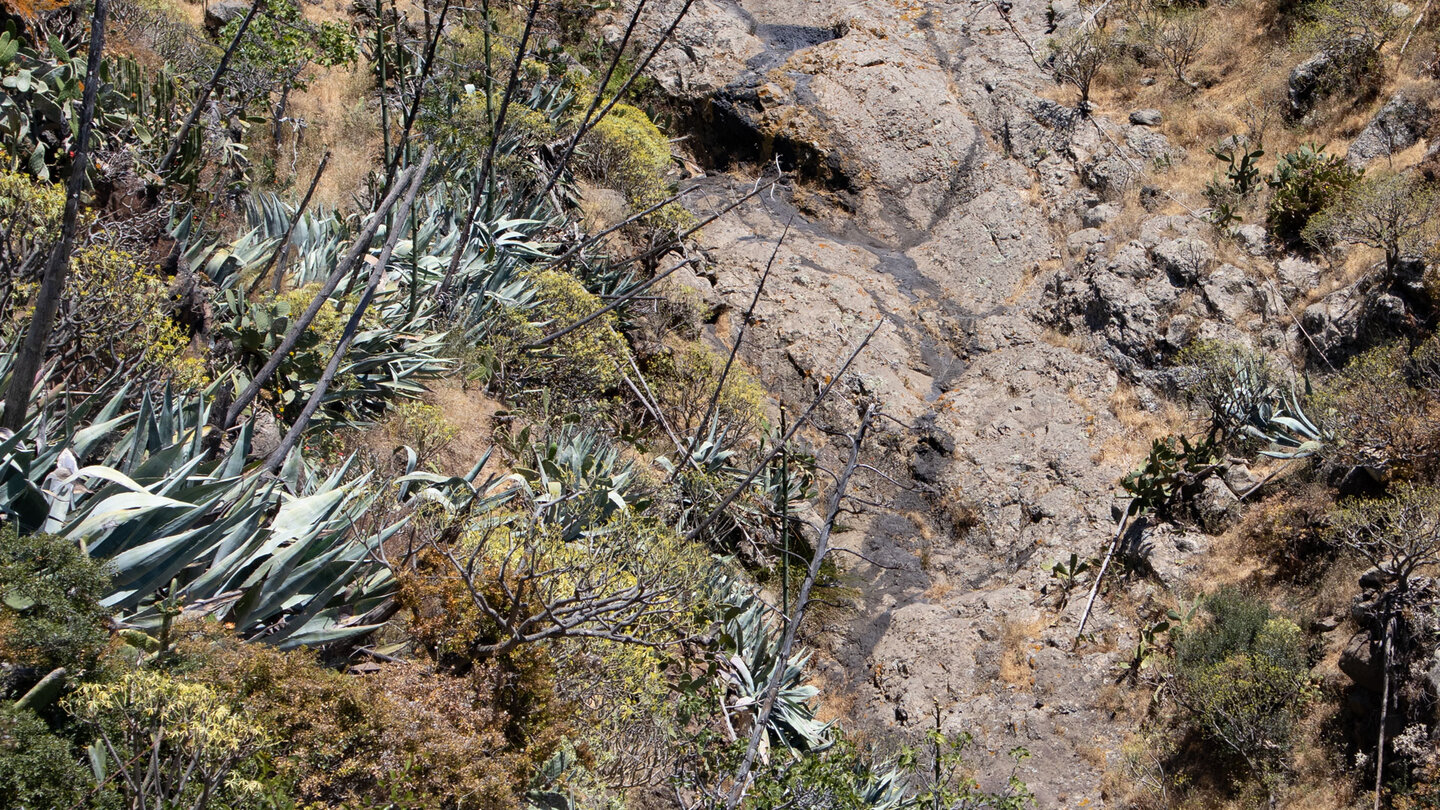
[1304, 183]
[397, 737]
[585, 363]
[38, 769]
[50, 616]
[627, 152]
[1382, 421]
[1243, 678]
[684, 381]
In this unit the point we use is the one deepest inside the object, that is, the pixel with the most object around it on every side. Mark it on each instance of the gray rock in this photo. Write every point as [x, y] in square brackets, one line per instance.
[1081, 241]
[1297, 276]
[1230, 294]
[1184, 259]
[1358, 661]
[1396, 127]
[1145, 118]
[1132, 260]
[1254, 238]
[220, 13]
[1216, 507]
[1306, 83]
[1099, 215]
[1325, 624]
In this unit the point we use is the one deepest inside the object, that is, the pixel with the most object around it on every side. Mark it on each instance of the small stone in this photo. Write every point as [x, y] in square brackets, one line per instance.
[1148, 81]
[1146, 118]
[1253, 238]
[1099, 215]
[1325, 624]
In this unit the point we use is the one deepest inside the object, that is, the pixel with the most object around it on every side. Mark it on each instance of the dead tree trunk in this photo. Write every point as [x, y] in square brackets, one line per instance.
[52, 283]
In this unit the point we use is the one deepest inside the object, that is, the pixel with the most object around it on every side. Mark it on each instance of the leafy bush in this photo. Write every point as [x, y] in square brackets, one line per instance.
[585, 363]
[629, 153]
[684, 380]
[1393, 212]
[1243, 677]
[398, 733]
[1303, 184]
[175, 743]
[37, 768]
[31, 211]
[51, 615]
[1383, 423]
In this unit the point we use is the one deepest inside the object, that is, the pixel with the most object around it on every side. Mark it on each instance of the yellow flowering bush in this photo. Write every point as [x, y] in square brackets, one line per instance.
[627, 152]
[585, 362]
[684, 381]
[173, 740]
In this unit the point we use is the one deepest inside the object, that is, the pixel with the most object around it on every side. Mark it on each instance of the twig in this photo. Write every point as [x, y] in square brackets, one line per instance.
[785, 439]
[277, 259]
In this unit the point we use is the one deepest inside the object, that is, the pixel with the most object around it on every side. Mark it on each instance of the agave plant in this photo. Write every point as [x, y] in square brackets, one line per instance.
[754, 646]
[1260, 410]
[579, 480]
[280, 558]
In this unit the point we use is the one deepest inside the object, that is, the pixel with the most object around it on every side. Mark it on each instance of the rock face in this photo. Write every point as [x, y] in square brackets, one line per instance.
[1400, 124]
[1306, 83]
[935, 188]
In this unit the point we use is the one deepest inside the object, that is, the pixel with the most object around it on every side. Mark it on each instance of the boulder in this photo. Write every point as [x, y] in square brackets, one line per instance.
[1360, 662]
[1146, 118]
[1216, 507]
[1230, 294]
[1397, 126]
[220, 13]
[1306, 82]
[1254, 238]
[1184, 259]
[1099, 215]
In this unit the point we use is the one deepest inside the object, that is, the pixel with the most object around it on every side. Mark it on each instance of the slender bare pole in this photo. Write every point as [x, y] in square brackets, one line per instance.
[206, 91]
[52, 283]
[377, 272]
[802, 601]
[358, 248]
[277, 259]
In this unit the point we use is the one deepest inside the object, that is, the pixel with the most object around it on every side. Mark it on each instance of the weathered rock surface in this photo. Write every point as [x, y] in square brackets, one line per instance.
[939, 199]
[1398, 125]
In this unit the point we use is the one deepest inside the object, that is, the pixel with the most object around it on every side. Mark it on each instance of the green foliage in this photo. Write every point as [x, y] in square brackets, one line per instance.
[684, 381]
[174, 743]
[259, 328]
[1380, 419]
[626, 151]
[399, 734]
[1394, 213]
[31, 210]
[582, 364]
[580, 480]
[1398, 534]
[1243, 676]
[754, 646]
[1304, 182]
[280, 41]
[1241, 167]
[1174, 463]
[50, 614]
[38, 770]
[282, 558]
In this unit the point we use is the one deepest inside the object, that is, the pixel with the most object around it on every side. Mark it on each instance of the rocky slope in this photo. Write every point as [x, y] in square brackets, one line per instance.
[941, 193]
